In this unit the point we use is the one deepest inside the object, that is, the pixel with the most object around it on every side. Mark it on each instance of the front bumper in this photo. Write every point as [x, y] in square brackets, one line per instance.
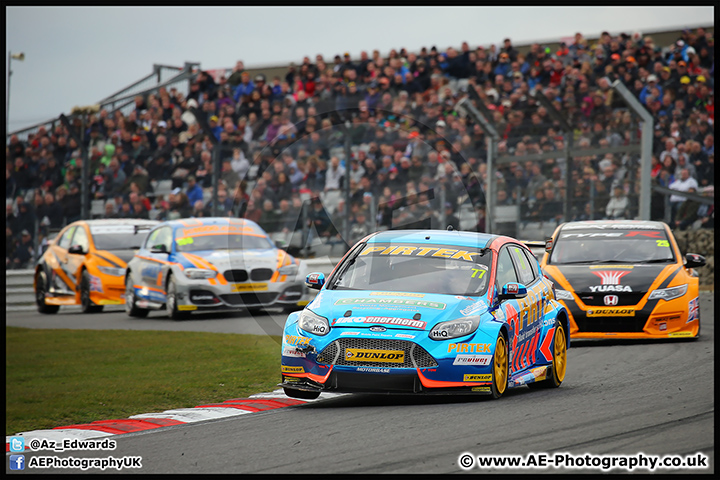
[199, 295]
[410, 365]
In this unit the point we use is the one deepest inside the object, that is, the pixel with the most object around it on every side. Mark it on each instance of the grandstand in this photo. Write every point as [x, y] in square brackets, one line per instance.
[325, 151]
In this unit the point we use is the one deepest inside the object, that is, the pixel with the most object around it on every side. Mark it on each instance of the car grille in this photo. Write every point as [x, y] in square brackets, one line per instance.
[260, 274]
[624, 299]
[256, 275]
[415, 355]
[249, 298]
[236, 275]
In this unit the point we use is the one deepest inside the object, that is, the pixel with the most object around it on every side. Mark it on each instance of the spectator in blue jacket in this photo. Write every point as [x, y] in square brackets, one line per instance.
[245, 88]
[652, 82]
[194, 191]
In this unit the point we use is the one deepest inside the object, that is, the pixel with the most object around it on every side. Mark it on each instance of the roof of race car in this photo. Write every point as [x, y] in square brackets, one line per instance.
[612, 224]
[438, 237]
[118, 221]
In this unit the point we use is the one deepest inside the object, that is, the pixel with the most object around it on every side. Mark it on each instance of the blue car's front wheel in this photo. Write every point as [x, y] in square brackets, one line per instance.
[556, 372]
[500, 367]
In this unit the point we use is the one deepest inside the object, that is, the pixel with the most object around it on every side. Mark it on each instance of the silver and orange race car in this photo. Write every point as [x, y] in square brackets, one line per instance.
[212, 264]
[624, 279]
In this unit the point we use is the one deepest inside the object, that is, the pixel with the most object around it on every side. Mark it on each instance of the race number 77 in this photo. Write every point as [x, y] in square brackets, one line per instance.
[477, 272]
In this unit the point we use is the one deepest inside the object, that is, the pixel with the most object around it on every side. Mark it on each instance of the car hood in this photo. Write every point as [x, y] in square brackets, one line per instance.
[398, 310]
[226, 259]
[610, 277]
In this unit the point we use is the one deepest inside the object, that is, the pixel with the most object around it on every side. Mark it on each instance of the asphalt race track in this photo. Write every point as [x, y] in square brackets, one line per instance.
[631, 397]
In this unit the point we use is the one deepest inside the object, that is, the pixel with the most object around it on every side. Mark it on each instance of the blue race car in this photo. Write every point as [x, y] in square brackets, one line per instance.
[427, 311]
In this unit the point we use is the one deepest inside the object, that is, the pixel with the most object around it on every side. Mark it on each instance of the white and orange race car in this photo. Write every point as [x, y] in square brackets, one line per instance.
[624, 279]
[212, 264]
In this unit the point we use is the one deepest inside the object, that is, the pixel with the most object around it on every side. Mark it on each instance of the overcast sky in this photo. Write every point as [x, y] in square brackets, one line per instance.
[79, 55]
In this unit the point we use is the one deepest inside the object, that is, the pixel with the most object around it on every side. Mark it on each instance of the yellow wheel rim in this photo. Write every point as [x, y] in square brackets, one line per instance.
[560, 360]
[500, 365]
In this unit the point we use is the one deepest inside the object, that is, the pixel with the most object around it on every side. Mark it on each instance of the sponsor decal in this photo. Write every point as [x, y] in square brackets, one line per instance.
[400, 294]
[404, 335]
[481, 389]
[289, 369]
[460, 297]
[472, 360]
[391, 301]
[414, 251]
[372, 370]
[611, 312]
[512, 288]
[110, 302]
[666, 319]
[610, 288]
[469, 348]
[377, 329]
[477, 378]
[297, 341]
[186, 307]
[474, 308]
[596, 267]
[402, 322]
[680, 334]
[611, 300]
[662, 327]
[592, 235]
[201, 297]
[244, 287]
[693, 310]
[548, 245]
[383, 356]
[292, 352]
[313, 278]
[610, 277]
[644, 234]
[347, 334]
[188, 232]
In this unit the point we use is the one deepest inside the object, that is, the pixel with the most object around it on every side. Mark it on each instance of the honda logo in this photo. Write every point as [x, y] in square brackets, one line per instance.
[611, 300]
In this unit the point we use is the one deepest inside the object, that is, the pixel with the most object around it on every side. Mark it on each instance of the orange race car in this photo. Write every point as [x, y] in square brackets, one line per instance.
[624, 279]
[85, 264]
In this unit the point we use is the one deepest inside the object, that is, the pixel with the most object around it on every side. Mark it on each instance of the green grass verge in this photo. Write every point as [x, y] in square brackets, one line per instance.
[63, 377]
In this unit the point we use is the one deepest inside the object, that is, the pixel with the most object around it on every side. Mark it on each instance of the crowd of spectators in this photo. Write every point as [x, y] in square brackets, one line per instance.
[281, 139]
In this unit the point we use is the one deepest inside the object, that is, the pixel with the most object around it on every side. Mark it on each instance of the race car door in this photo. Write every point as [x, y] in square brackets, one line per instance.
[155, 262]
[529, 327]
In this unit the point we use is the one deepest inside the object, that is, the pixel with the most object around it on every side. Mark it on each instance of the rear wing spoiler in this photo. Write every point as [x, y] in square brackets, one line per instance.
[546, 245]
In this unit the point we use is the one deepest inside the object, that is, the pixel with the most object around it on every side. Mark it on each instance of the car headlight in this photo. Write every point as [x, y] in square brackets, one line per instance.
[199, 273]
[288, 270]
[563, 294]
[455, 328]
[115, 272]
[668, 293]
[313, 323]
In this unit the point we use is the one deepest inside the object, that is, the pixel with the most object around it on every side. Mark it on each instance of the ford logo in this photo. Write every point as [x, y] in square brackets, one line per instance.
[377, 329]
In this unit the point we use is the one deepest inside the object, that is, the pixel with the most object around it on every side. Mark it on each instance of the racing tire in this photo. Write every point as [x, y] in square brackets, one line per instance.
[302, 394]
[40, 286]
[130, 306]
[171, 301]
[556, 372]
[500, 367]
[86, 304]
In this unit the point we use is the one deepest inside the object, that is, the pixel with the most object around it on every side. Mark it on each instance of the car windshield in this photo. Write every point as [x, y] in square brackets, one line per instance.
[445, 269]
[612, 246]
[125, 237]
[222, 241]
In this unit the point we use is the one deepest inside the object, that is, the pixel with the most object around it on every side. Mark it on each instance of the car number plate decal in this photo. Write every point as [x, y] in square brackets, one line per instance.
[244, 287]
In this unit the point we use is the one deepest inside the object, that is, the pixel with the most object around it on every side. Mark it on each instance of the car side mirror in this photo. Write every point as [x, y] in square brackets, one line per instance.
[693, 260]
[78, 250]
[315, 280]
[159, 249]
[513, 290]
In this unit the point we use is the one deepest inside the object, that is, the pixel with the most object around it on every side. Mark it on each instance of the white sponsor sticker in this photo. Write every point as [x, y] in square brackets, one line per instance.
[472, 360]
[292, 352]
